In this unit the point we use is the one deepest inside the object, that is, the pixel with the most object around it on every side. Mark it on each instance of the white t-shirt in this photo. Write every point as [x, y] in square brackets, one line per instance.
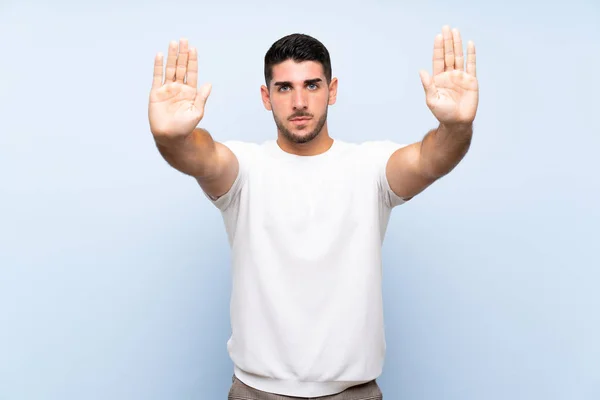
[306, 235]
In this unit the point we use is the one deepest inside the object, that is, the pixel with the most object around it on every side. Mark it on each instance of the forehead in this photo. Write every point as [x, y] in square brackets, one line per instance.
[293, 71]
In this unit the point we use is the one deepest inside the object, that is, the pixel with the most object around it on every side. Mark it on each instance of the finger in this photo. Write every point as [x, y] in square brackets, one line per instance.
[192, 69]
[425, 80]
[171, 62]
[471, 59]
[448, 48]
[438, 54]
[428, 85]
[158, 71]
[182, 60]
[202, 96]
[459, 59]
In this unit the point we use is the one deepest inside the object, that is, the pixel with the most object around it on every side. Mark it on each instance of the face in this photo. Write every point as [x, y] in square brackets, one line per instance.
[299, 97]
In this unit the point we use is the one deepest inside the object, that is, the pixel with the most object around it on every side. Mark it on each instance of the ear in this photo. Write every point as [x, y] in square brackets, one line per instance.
[333, 86]
[266, 99]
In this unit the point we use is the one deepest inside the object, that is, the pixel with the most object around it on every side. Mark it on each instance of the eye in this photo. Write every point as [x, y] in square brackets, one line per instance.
[313, 86]
[281, 88]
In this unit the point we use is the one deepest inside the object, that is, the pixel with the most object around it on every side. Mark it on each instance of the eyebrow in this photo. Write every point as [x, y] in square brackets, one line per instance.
[306, 82]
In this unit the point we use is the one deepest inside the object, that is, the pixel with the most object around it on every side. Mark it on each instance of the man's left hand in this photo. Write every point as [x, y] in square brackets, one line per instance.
[452, 93]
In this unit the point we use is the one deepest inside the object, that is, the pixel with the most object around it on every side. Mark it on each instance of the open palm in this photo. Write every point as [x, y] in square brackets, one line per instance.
[176, 105]
[452, 93]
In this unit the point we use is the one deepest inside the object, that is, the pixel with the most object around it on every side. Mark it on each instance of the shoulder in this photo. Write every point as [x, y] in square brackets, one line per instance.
[378, 148]
[372, 151]
[244, 151]
[241, 146]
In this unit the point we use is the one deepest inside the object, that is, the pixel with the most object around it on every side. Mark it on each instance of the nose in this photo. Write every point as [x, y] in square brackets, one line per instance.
[300, 102]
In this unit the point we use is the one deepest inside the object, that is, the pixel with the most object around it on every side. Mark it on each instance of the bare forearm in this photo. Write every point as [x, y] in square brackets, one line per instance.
[193, 155]
[443, 148]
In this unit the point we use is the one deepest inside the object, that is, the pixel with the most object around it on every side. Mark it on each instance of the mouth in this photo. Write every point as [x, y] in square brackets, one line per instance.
[300, 120]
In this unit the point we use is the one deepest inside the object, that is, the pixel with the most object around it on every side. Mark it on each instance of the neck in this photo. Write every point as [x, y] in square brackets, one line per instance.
[318, 145]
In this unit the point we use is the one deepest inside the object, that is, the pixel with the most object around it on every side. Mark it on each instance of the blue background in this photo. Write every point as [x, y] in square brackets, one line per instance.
[114, 269]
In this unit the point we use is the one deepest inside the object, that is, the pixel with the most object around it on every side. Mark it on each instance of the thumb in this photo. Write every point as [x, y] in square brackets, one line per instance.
[202, 96]
[427, 82]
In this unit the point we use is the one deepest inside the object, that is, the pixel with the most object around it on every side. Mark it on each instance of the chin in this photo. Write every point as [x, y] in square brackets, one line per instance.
[303, 137]
[301, 134]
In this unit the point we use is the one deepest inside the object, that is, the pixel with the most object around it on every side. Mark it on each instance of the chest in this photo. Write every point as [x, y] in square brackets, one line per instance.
[312, 200]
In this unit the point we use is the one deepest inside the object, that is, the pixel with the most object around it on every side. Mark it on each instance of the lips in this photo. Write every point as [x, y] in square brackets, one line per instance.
[300, 122]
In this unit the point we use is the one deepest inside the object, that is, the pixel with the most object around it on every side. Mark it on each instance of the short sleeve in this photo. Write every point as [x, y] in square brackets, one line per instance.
[379, 153]
[243, 153]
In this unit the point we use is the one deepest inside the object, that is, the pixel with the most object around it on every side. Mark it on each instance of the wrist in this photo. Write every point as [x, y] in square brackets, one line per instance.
[457, 126]
[169, 140]
[456, 130]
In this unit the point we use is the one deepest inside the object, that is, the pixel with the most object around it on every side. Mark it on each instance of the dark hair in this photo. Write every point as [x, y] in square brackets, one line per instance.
[297, 47]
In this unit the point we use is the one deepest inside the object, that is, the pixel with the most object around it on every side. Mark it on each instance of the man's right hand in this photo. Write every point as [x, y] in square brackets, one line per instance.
[176, 104]
[176, 107]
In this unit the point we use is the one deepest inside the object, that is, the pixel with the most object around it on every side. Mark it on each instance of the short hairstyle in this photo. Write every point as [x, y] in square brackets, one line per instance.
[297, 47]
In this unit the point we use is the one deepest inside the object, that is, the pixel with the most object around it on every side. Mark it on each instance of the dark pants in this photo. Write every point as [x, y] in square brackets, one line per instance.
[367, 391]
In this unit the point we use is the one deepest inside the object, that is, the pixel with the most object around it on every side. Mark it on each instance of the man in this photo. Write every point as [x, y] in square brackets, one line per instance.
[306, 213]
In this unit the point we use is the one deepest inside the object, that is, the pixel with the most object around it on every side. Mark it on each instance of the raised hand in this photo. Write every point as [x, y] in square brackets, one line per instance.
[452, 93]
[176, 105]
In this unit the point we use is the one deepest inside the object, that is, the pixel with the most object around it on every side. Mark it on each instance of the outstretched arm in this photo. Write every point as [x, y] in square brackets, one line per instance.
[452, 95]
[175, 108]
